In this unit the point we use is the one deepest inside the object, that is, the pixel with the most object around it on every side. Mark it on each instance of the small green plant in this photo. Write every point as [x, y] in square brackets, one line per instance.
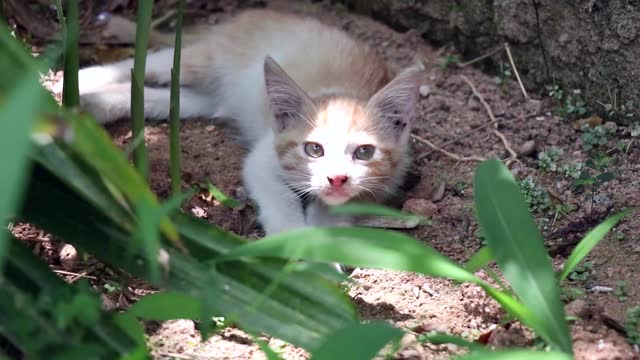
[622, 292]
[570, 293]
[556, 92]
[450, 60]
[572, 170]
[581, 272]
[595, 137]
[571, 104]
[548, 160]
[632, 325]
[634, 130]
[535, 195]
[504, 74]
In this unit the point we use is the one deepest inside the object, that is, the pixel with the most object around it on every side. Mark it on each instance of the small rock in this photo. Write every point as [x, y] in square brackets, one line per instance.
[426, 288]
[601, 289]
[420, 207]
[416, 291]
[199, 212]
[577, 308]
[611, 126]
[527, 148]
[241, 194]
[425, 90]
[439, 193]
[68, 257]
[108, 304]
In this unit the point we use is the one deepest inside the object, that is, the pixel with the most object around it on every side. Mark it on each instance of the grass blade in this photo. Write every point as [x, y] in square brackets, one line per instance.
[519, 250]
[590, 241]
[174, 108]
[516, 355]
[224, 199]
[166, 306]
[357, 341]
[143, 25]
[18, 113]
[364, 209]
[479, 260]
[440, 338]
[370, 248]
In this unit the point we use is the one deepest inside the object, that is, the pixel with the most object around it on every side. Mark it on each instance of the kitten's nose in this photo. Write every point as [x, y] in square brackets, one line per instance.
[337, 180]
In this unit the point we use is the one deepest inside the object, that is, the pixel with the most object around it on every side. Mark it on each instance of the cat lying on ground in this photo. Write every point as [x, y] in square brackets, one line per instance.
[322, 121]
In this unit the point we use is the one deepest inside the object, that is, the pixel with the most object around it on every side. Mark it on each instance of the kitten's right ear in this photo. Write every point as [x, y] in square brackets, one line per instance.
[289, 103]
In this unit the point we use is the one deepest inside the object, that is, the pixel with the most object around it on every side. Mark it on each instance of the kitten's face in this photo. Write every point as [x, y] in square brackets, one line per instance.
[341, 148]
[338, 155]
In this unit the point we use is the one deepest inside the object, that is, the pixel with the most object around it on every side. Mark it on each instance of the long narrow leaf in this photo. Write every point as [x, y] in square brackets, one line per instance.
[357, 341]
[516, 355]
[310, 305]
[590, 241]
[17, 115]
[519, 250]
[371, 248]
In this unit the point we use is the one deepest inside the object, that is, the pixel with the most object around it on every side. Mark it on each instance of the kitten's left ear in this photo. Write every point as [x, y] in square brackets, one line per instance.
[394, 104]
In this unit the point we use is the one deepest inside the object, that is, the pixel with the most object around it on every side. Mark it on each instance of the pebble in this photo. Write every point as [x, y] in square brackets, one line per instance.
[577, 308]
[527, 148]
[420, 207]
[68, 257]
[425, 90]
[439, 193]
[611, 126]
[426, 288]
[416, 291]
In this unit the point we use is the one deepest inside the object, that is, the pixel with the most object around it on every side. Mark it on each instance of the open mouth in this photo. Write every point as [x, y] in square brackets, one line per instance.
[335, 196]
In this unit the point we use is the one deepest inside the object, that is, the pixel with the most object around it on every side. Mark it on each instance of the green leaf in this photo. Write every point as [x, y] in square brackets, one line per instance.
[266, 349]
[479, 260]
[357, 341]
[519, 250]
[18, 113]
[375, 210]
[370, 248]
[223, 198]
[311, 305]
[587, 244]
[166, 306]
[440, 338]
[516, 355]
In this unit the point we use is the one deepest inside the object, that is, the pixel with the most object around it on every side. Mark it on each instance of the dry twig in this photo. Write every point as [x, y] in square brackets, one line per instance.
[445, 152]
[473, 131]
[515, 70]
[513, 156]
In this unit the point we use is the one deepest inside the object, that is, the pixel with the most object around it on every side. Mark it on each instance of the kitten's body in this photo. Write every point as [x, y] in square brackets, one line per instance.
[320, 87]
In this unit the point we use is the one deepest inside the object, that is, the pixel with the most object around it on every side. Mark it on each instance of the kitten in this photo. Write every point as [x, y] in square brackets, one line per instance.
[309, 101]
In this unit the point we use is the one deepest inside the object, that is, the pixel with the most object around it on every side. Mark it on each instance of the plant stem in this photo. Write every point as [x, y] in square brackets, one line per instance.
[143, 24]
[174, 110]
[70, 33]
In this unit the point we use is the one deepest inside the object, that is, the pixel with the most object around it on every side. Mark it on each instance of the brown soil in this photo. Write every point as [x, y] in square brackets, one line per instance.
[413, 301]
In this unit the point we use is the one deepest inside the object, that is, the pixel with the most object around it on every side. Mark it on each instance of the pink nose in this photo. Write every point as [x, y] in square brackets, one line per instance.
[337, 180]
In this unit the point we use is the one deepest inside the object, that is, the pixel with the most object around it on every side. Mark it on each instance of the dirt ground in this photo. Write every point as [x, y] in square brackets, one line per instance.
[448, 113]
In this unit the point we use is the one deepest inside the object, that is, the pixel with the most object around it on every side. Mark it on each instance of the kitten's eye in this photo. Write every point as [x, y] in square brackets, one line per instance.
[364, 152]
[314, 150]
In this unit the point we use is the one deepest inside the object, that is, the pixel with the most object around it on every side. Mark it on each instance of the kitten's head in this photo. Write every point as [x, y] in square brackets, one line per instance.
[341, 148]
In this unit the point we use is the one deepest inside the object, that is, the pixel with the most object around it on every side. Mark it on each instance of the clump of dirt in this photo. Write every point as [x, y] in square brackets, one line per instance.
[449, 115]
